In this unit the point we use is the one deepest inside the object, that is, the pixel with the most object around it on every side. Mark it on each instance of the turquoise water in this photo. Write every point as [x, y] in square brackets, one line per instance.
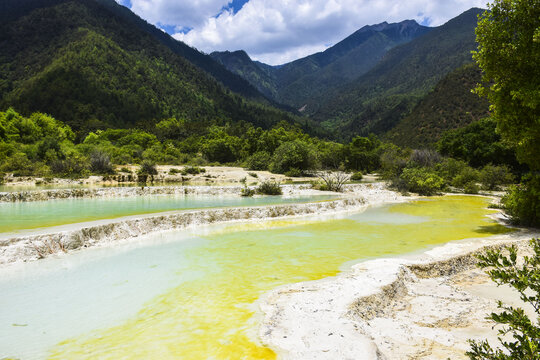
[38, 214]
[191, 294]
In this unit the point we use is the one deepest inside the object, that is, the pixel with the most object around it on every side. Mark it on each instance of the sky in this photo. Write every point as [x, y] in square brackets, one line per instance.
[279, 31]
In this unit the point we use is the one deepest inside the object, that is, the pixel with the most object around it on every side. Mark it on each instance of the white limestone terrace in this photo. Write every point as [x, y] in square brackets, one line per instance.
[423, 306]
[36, 244]
[72, 193]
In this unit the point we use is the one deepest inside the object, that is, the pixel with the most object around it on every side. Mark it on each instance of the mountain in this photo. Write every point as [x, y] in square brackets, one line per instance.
[450, 105]
[309, 78]
[94, 64]
[378, 100]
[12, 9]
[303, 82]
[255, 73]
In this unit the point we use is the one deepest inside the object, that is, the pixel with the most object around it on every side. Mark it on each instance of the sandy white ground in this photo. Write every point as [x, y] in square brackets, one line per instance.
[213, 175]
[421, 307]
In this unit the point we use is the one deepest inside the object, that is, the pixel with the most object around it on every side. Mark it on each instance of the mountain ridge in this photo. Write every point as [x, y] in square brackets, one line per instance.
[49, 63]
[312, 75]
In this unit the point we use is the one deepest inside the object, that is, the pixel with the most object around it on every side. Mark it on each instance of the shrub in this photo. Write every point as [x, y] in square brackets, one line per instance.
[522, 202]
[295, 154]
[525, 279]
[357, 176]
[471, 188]
[466, 175]
[332, 180]
[19, 164]
[174, 171]
[424, 158]
[125, 170]
[449, 168]
[422, 181]
[193, 170]
[492, 177]
[252, 174]
[100, 163]
[148, 168]
[258, 161]
[247, 192]
[269, 188]
[75, 166]
[293, 173]
[393, 161]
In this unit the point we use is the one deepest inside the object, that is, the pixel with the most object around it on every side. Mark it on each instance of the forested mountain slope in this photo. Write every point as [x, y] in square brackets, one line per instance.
[81, 62]
[451, 105]
[301, 81]
[239, 62]
[380, 99]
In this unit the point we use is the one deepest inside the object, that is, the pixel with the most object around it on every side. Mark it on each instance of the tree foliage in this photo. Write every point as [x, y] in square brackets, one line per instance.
[508, 37]
[525, 332]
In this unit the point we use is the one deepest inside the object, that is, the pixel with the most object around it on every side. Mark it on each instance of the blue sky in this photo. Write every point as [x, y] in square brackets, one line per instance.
[279, 31]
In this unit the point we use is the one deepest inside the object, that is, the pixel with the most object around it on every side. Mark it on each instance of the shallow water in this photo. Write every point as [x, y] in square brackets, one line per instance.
[191, 295]
[18, 216]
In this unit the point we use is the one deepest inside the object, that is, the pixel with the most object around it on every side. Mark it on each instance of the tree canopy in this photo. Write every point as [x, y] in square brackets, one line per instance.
[508, 37]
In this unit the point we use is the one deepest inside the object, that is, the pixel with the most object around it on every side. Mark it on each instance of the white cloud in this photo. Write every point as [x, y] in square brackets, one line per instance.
[278, 31]
[181, 13]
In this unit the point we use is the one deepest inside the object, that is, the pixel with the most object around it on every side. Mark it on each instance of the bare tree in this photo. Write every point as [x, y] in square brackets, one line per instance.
[333, 180]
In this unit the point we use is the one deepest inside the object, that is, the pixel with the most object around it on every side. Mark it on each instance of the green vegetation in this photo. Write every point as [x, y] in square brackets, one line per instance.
[508, 53]
[522, 202]
[478, 144]
[269, 187]
[357, 176]
[85, 63]
[525, 279]
[308, 80]
[427, 173]
[378, 100]
[247, 192]
[450, 105]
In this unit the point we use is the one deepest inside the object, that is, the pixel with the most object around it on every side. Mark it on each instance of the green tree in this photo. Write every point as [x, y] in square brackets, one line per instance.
[508, 37]
[291, 155]
[525, 279]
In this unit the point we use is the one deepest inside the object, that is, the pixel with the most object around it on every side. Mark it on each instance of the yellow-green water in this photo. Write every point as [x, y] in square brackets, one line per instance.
[209, 314]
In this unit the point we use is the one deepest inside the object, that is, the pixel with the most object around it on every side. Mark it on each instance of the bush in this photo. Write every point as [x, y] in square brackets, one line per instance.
[269, 188]
[491, 177]
[148, 168]
[393, 161]
[293, 173]
[100, 163]
[125, 170]
[424, 158]
[18, 164]
[525, 279]
[422, 181]
[332, 180]
[75, 166]
[247, 192]
[295, 154]
[357, 176]
[449, 168]
[252, 174]
[466, 175]
[193, 170]
[522, 202]
[471, 188]
[259, 161]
